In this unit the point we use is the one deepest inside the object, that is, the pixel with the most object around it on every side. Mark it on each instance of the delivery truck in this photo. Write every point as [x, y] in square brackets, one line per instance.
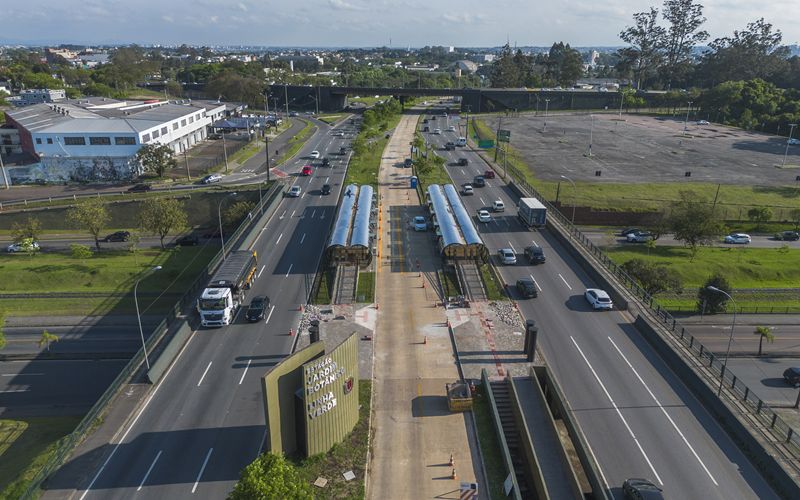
[225, 292]
[532, 212]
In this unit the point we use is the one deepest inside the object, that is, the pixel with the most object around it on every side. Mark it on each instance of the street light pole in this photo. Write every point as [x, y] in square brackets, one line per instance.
[791, 129]
[546, 105]
[136, 300]
[219, 214]
[730, 339]
[573, 203]
[591, 135]
[621, 100]
[687, 117]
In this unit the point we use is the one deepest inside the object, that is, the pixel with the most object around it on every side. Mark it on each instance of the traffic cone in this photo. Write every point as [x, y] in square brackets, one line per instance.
[291, 333]
[423, 284]
[516, 306]
[472, 388]
[448, 322]
[301, 307]
[454, 475]
[377, 306]
[420, 274]
[452, 461]
[425, 341]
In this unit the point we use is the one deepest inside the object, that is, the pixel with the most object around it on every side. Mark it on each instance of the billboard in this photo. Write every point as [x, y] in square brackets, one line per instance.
[503, 135]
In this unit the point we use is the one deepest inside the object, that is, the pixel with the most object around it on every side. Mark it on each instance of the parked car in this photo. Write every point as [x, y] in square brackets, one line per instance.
[483, 216]
[258, 308]
[213, 233]
[507, 256]
[314, 155]
[739, 238]
[498, 206]
[703, 122]
[188, 241]
[19, 247]
[408, 162]
[630, 230]
[326, 189]
[326, 162]
[599, 299]
[118, 236]
[463, 162]
[489, 174]
[478, 181]
[420, 224]
[140, 187]
[306, 170]
[641, 489]
[468, 190]
[792, 375]
[787, 236]
[527, 287]
[535, 255]
[294, 192]
[793, 142]
[211, 178]
[639, 237]
[602, 89]
[215, 136]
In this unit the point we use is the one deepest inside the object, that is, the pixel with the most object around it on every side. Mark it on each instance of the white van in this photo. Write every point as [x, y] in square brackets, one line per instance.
[498, 206]
[462, 141]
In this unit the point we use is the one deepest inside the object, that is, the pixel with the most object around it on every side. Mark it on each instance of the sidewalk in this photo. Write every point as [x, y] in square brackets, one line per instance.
[413, 430]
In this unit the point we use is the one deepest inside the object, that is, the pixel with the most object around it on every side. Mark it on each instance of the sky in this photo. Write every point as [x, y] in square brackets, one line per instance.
[361, 23]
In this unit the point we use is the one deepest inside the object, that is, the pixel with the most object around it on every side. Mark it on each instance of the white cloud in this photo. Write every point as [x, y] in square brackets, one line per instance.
[214, 19]
[340, 5]
[168, 18]
[243, 7]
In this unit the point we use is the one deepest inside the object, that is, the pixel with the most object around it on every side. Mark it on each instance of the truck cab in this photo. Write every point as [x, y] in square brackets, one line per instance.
[216, 307]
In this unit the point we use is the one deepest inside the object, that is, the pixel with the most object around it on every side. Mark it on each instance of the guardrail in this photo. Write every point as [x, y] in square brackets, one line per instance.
[91, 420]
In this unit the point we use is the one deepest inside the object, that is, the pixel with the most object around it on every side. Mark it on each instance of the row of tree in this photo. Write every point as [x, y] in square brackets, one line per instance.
[563, 66]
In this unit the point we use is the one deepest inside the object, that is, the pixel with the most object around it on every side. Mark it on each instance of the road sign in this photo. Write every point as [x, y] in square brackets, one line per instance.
[503, 136]
[486, 143]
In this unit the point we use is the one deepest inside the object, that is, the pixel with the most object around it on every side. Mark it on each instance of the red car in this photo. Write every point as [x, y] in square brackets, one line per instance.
[489, 174]
[213, 233]
[306, 170]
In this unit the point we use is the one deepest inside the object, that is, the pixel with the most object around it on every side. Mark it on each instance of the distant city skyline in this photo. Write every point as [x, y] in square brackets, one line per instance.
[360, 23]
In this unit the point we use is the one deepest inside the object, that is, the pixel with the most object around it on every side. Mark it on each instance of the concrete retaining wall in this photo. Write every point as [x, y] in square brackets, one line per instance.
[160, 365]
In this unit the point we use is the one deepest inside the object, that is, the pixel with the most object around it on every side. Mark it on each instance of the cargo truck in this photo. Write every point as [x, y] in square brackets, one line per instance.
[532, 212]
[225, 292]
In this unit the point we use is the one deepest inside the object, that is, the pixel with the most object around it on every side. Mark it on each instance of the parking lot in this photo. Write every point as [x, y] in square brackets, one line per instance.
[646, 149]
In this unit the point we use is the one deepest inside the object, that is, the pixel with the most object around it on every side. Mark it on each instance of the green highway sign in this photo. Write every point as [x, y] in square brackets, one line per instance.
[486, 144]
[503, 136]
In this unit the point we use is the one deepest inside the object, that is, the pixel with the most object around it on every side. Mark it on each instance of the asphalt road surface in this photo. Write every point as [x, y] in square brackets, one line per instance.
[596, 237]
[764, 376]
[745, 341]
[637, 416]
[204, 422]
[77, 341]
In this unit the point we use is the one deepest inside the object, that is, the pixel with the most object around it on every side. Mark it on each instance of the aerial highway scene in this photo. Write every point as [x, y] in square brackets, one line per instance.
[272, 263]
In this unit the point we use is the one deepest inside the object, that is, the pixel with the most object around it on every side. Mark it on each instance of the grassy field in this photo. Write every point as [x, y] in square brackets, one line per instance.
[450, 281]
[304, 131]
[25, 446]
[366, 287]
[329, 118]
[490, 447]
[494, 288]
[363, 169]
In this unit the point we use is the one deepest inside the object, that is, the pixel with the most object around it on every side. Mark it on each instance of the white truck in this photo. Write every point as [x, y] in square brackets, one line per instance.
[532, 212]
[226, 290]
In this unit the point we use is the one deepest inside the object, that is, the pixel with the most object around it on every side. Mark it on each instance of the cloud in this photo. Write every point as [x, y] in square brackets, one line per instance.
[214, 19]
[340, 5]
[168, 19]
[243, 7]
[237, 19]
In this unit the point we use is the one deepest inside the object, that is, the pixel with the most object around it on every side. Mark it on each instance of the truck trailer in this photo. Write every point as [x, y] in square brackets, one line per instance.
[226, 290]
[532, 212]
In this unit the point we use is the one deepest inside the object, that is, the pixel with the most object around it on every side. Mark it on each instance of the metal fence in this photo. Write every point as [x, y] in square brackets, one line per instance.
[739, 393]
[91, 420]
[231, 148]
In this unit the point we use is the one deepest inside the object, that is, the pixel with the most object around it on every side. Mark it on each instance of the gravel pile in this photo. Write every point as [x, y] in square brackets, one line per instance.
[506, 312]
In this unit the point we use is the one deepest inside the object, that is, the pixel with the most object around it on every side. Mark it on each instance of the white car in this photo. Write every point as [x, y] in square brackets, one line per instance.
[639, 237]
[437, 131]
[19, 247]
[420, 224]
[738, 238]
[498, 206]
[599, 299]
[507, 256]
[793, 141]
[211, 178]
[483, 215]
[314, 155]
[309, 112]
[703, 122]
[294, 192]
[451, 129]
[338, 133]
[602, 89]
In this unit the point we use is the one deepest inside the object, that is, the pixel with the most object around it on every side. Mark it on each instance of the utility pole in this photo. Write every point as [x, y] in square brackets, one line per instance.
[3, 169]
[496, 146]
[791, 129]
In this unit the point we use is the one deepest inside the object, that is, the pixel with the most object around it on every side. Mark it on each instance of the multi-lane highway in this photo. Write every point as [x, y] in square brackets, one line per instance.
[758, 241]
[637, 416]
[204, 422]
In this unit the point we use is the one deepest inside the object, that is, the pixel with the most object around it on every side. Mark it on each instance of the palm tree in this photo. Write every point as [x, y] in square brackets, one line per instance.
[46, 338]
[764, 332]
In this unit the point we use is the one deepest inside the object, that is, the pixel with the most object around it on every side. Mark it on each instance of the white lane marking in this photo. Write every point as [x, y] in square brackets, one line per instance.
[20, 374]
[141, 412]
[237, 315]
[326, 180]
[282, 215]
[270, 314]
[289, 271]
[512, 247]
[206, 463]
[565, 281]
[482, 202]
[664, 411]
[488, 185]
[616, 409]
[279, 239]
[534, 242]
[303, 238]
[536, 283]
[245, 371]
[204, 373]
[17, 390]
[261, 271]
[313, 213]
[148, 471]
[293, 211]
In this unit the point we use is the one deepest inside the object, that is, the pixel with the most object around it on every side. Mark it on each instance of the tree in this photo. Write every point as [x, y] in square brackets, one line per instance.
[650, 244]
[237, 213]
[571, 67]
[505, 73]
[133, 246]
[162, 215]
[46, 338]
[794, 216]
[645, 38]
[609, 240]
[764, 333]
[98, 89]
[174, 88]
[683, 34]
[30, 229]
[157, 158]
[81, 252]
[91, 215]
[270, 476]
[654, 279]
[759, 215]
[754, 52]
[715, 302]
[693, 222]
[783, 250]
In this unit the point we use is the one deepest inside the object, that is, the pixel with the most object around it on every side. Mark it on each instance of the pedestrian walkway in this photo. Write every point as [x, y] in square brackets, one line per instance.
[414, 432]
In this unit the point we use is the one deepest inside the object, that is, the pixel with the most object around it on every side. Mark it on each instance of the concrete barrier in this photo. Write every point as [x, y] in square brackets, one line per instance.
[160, 365]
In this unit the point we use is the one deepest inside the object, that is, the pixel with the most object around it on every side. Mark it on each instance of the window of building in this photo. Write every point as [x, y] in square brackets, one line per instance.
[38, 141]
[49, 140]
[74, 141]
[175, 126]
[198, 116]
[164, 131]
[155, 134]
[146, 138]
[125, 141]
[100, 141]
[183, 123]
[191, 119]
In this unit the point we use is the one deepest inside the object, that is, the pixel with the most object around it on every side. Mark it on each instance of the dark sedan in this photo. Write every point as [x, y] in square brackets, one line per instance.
[479, 181]
[187, 241]
[326, 189]
[140, 187]
[641, 489]
[118, 236]
[258, 308]
[527, 288]
[787, 236]
[535, 255]
[463, 161]
[792, 375]
[630, 230]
